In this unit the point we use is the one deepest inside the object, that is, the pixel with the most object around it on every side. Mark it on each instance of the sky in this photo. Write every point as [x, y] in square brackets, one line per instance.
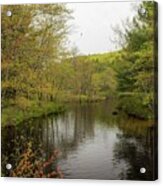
[92, 25]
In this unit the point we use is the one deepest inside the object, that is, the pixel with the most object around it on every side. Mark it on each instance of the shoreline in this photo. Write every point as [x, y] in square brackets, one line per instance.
[18, 116]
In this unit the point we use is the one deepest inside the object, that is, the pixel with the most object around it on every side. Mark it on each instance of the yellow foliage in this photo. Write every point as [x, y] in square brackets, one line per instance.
[23, 103]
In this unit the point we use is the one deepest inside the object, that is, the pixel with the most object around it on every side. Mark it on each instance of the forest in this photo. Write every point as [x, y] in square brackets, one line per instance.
[41, 74]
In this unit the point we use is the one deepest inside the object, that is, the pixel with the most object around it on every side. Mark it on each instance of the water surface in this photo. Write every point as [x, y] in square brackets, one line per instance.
[94, 143]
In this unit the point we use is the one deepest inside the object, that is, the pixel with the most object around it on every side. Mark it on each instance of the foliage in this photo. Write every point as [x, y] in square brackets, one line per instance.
[93, 77]
[135, 105]
[38, 69]
[34, 35]
[33, 41]
[137, 66]
[15, 115]
[29, 166]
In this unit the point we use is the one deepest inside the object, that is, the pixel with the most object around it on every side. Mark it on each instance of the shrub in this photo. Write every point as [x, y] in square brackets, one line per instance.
[134, 105]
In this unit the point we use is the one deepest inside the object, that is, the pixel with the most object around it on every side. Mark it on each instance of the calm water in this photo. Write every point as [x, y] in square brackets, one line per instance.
[94, 143]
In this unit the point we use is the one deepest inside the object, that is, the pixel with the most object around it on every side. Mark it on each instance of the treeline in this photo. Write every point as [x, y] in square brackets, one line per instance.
[92, 78]
[33, 40]
[137, 68]
[38, 70]
[33, 43]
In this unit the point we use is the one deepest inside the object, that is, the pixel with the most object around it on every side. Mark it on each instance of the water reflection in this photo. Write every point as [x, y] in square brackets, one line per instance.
[94, 143]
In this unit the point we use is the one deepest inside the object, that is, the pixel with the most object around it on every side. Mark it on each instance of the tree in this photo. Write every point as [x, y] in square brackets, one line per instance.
[138, 64]
[33, 40]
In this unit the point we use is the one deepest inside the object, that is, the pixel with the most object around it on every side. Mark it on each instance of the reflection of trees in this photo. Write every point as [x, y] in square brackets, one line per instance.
[67, 131]
[135, 147]
[64, 132]
[14, 143]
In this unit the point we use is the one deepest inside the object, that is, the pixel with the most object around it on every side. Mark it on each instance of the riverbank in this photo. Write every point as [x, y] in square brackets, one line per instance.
[136, 105]
[83, 99]
[131, 104]
[23, 110]
[86, 128]
[13, 115]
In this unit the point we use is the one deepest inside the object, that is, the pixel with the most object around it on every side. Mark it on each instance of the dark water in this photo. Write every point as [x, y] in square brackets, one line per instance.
[94, 143]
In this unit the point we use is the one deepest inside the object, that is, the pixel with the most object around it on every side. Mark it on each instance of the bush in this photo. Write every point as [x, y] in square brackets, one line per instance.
[134, 105]
[14, 115]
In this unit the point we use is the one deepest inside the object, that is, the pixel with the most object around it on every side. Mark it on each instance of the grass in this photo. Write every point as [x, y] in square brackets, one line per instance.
[16, 111]
[13, 115]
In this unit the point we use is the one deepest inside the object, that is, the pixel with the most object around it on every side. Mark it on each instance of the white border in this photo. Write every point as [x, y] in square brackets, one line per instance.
[54, 182]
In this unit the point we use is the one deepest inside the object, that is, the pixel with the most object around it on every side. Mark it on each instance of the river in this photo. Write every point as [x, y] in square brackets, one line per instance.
[95, 142]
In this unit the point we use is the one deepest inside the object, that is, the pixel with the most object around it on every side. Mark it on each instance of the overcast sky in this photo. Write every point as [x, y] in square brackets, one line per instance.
[92, 24]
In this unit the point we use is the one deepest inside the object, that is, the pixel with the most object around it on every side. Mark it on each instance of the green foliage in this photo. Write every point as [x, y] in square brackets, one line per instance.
[135, 105]
[38, 69]
[92, 76]
[15, 115]
[32, 41]
[135, 72]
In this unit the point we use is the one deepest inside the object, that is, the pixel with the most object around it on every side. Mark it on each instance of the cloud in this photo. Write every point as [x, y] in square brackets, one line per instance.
[92, 24]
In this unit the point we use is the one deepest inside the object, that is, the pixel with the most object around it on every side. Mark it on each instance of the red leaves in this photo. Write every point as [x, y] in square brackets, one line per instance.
[29, 166]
